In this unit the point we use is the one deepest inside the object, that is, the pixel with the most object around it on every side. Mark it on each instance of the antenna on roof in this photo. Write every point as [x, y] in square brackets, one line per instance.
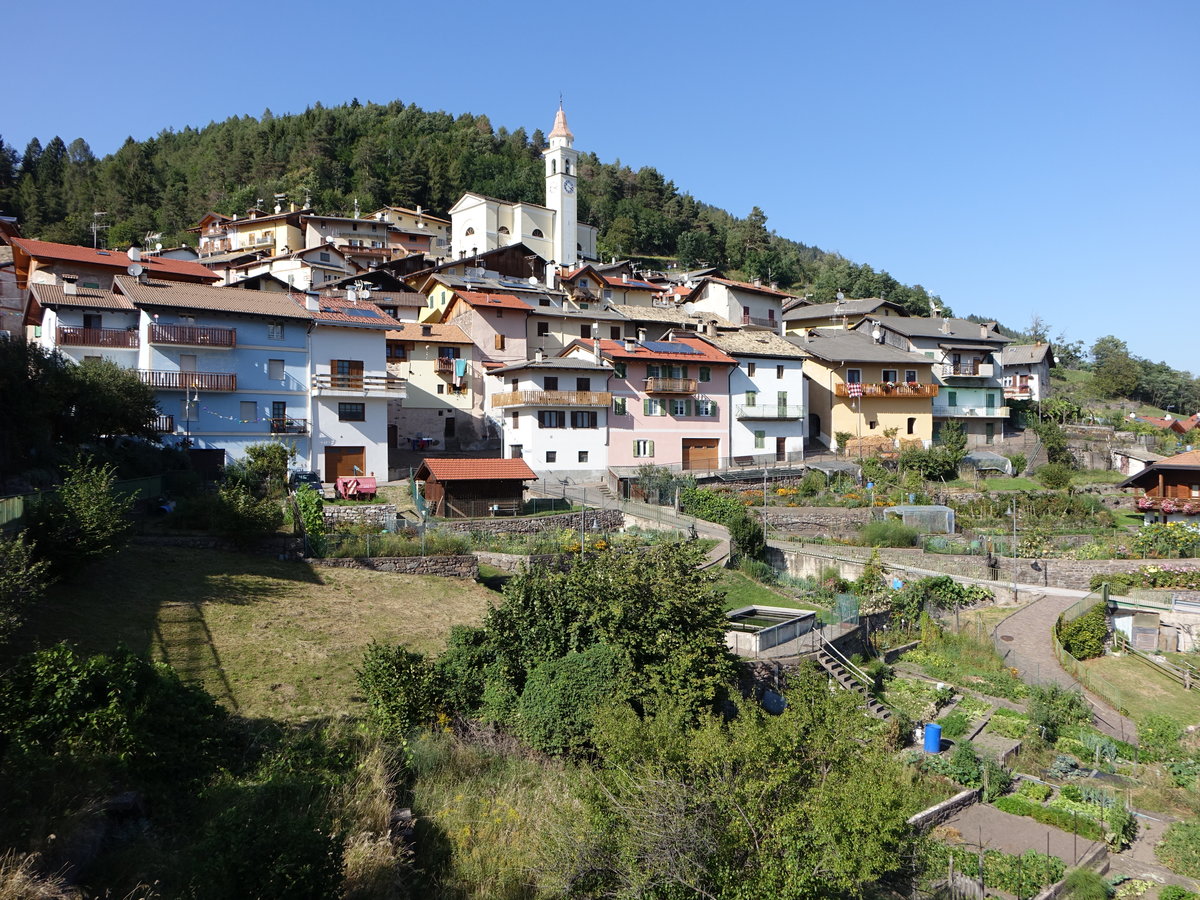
[97, 228]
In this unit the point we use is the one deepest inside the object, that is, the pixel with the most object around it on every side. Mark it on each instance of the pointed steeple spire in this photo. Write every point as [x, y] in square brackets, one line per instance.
[560, 124]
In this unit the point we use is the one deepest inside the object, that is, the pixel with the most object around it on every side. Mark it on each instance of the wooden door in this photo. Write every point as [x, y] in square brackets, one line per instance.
[780, 449]
[344, 461]
[700, 453]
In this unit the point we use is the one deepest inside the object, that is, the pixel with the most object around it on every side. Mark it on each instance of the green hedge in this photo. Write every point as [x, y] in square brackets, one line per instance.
[1019, 806]
[1084, 637]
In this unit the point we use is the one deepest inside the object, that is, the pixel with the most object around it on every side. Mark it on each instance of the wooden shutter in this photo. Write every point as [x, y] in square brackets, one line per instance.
[651, 443]
[646, 407]
[499, 342]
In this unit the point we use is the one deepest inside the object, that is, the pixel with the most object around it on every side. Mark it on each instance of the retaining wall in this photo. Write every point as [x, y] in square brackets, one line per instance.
[514, 562]
[442, 566]
[940, 812]
[378, 515]
[593, 520]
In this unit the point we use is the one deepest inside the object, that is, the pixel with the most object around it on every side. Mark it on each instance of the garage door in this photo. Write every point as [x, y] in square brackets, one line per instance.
[345, 461]
[700, 453]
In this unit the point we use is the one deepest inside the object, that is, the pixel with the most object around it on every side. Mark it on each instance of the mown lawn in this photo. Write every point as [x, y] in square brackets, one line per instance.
[1142, 690]
[268, 638]
[742, 591]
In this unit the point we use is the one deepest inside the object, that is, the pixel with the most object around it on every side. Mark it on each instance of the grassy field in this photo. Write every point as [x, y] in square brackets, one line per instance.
[1142, 690]
[270, 639]
[743, 591]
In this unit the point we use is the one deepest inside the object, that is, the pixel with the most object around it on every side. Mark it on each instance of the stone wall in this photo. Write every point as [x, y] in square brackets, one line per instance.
[514, 562]
[377, 515]
[940, 812]
[442, 566]
[830, 521]
[593, 520]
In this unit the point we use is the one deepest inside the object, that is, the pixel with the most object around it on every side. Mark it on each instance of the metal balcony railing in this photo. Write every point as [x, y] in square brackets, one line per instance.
[74, 336]
[759, 320]
[770, 411]
[968, 369]
[179, 381]
[361, 385]
[553, 398]
[972, 412]
[193, 335]
[671, 385]
[284, 425]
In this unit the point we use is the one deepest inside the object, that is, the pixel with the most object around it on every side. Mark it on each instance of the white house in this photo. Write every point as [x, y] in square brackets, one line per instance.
[741, 302]
[1025, 371]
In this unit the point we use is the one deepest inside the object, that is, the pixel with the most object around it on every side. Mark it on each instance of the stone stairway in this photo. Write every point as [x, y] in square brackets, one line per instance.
[848, 682]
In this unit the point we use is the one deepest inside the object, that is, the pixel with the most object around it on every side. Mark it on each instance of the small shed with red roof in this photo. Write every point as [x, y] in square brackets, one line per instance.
[473, 488]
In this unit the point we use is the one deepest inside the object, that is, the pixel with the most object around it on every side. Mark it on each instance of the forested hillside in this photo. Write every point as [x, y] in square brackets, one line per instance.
[400, 155]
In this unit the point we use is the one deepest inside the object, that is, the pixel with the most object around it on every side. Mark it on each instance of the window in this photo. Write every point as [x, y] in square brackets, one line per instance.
[760, 440]
[397, 351]
[346, 373]
[515, 451]
[352, 412]
[1195, 490]
[771, 316]
[779, 371]
[751, 398]
[469, 232]
[681, 407]
[653, 371]
[619, 406]
[503, 229]
[583, 384]
[991, 401]
[189, 410]
[324, 256]
[643, 448]
[707, 408]
[912, 424]
[910, 375]
[92, 320]
[545, 301]
[706, 373]
[275, 369]
[552, 418]
[516, 420]
[499, 342]
[614, 332]
[989, 433]
[278, 414]
[619, 369]
[653, 407]
[275, 331]
[441, 389]
[750, 369]
[551, 456]
[585, 330]
[854, 376]
[537, 232]
[550, 382]
[584, 419]
[583, 456]
[952, 398]
[608, 294]
[891, 375]
[873, 425]
[543, 329]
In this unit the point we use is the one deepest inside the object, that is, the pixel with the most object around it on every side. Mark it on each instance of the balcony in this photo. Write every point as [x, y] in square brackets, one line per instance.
[968, 370]
[358, 386]
[180, 381]
[671, 385]
[759, 320]
[284, 425]
[1022, 392]
[970, 412]
[444, 365]
[164, 424]
[553, 398]
[769, 412]
[898, 389]
[74, 336]
[193, 336]
[268, 241]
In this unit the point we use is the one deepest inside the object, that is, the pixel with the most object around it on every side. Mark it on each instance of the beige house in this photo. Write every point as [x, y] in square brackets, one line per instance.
[865, 389]
[435, 360]
[417, 222]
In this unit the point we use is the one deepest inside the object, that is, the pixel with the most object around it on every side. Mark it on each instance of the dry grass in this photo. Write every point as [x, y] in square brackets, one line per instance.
[1143, 690]
[270, 639]
[20, 880]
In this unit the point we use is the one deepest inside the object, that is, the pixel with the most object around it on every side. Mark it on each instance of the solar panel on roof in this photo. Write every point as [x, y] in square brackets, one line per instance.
[669, 347]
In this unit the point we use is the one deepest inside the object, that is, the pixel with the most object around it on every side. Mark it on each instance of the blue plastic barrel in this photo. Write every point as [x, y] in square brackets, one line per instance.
[933, 737]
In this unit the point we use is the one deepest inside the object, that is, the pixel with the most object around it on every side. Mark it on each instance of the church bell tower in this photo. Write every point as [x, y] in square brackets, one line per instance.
[562, 179]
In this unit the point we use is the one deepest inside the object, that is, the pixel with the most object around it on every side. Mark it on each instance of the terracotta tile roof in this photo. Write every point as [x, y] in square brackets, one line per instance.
[704, 352]
[156, 266]
[493, 301]
[414, 331]
[475, 470]
[340, 311]
[90, 298]
[631, 284]
[171, 294]
[1189, 460]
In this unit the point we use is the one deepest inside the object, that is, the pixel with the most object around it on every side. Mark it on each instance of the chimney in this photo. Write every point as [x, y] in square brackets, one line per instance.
[292, 206]
[426, 331]
[624, 277]
[419, 210]
[641, 335]
[630, 346]
[807, 332]
[540, 356]
[352, 296]
[312, 301]
[774, 285]
[596, 348]
[758, 282]
[983, 330]
[710, 327]
[945, 325]
[70, 285]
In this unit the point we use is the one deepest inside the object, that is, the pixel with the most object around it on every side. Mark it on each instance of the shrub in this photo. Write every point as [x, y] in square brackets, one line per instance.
[1085, 637]
[1179, 850]
[312, 518]
[1035, 791]
[1159, 737]
[888, 533]
[1055, 476]
[400, 688]
[747, 535]
[1019, 462]
[758, 570]
[1053, 708]
[1175, 892]
[245, 519]
[263, 471]
[557, 709]
[83, 520]
[22, 582]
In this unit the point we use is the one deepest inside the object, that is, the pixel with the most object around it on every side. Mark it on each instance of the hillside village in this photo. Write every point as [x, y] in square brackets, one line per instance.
[397, 555]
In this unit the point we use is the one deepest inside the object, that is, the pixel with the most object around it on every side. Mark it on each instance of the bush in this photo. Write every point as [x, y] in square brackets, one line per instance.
[1179, 850]
[1085, 637]
[83, 520]
[312, 518]
[400, 688]
[747, 535]
[1019, 462]
[1035, 791]
[888, 533]
[1055, 476]
[557, 709]
[263, 471]
[1159, 737]
[22, 582]
[245, 519]
[1175, 892]
[1053, 708]
[758, 570]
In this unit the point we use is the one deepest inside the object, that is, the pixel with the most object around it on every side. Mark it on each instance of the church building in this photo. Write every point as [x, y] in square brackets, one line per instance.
[552, 231]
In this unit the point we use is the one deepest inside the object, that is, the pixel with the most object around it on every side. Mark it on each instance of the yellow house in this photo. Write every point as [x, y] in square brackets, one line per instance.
[276, 234]
[864, 389]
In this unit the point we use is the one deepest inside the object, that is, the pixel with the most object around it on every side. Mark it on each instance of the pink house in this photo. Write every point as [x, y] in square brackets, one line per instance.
[670, 401]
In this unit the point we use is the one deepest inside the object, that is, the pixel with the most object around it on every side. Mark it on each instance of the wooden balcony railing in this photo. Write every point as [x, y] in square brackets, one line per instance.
[770, 411]
[179, 381]
[444, 365]
[671, 385]
[289, 426]
[193, 335]
[1018, 392]
[381, 385]
[74, 336]
[553, 398]
[164, 424]
[888, 389]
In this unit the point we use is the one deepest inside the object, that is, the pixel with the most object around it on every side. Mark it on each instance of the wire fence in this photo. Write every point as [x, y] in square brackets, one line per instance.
[1098, 685]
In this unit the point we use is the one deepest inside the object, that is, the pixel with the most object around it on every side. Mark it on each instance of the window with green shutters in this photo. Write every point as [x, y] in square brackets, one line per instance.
[707, 408]
[619, 406]
[652, 371]
[643, 448]
[619, 369]
[760, 440]
[653, 407]
[681, 407]
[752, 398]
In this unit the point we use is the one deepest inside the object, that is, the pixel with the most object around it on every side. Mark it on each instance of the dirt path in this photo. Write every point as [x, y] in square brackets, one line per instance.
[997, 830]
[1024, 641]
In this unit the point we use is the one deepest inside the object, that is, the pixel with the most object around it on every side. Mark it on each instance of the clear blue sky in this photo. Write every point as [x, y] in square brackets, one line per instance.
[1014, 157]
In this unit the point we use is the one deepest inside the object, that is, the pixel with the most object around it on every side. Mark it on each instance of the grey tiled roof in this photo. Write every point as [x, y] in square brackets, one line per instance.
[840, 345]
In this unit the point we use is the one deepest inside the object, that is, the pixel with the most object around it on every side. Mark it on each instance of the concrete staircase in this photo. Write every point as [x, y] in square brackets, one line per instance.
[840, 674]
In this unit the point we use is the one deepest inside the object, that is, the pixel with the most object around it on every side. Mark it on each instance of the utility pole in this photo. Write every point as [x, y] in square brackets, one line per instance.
[96, 228]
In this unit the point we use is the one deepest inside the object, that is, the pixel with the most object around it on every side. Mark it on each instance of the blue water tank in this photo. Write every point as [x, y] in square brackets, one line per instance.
[933, 737]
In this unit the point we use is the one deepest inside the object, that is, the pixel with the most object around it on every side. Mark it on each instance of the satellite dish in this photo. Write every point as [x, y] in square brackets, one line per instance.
[134, 254]
[533, 279]
[158, 246]
[135, 269]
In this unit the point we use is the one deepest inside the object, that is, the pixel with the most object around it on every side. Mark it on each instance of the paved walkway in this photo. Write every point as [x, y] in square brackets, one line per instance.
[1024, 641]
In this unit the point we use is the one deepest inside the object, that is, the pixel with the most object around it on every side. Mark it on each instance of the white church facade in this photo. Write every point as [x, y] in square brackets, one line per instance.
[552, 231]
